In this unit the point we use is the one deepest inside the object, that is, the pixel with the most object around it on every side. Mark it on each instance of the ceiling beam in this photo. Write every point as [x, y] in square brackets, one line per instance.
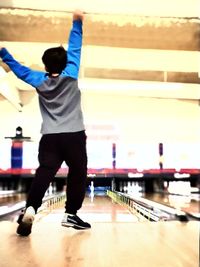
[104, 30]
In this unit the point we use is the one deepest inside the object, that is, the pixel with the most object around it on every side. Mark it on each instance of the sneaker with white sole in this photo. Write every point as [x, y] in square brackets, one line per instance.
[70, 220]
[25, 221]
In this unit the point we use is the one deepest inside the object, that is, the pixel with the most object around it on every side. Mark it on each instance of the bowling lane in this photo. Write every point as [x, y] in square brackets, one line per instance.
[9, 198]
[113, 240]
[96, 208]
[177, 194]
[186, 203]
[10, 204]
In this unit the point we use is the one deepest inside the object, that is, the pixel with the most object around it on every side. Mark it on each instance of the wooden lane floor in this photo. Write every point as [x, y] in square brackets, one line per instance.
[116, 239]
[186, 203]
[11, 198]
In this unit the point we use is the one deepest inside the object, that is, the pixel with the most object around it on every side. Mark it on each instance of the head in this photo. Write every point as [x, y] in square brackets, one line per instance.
[55, 59]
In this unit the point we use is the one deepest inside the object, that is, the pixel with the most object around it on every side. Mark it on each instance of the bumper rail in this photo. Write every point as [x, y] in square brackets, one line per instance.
[49, 202]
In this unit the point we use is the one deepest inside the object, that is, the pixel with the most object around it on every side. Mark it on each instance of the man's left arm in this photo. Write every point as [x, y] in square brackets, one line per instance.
[24, 73]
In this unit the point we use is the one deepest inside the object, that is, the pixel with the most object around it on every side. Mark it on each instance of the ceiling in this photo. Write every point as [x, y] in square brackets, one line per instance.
[135, 47]
[165, 8]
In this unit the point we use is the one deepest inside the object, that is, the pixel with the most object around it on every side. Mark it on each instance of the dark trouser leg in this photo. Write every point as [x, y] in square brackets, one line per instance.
[50, 161]
[76, 182]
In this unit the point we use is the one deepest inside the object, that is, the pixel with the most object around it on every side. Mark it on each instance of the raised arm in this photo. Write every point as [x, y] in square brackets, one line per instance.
[32, 77]
[74, 46]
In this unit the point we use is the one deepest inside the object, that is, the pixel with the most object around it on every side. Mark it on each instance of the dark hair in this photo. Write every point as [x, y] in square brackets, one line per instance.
[55, 59]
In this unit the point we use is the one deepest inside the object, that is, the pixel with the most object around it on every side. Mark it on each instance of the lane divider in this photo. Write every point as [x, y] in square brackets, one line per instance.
[152, 211]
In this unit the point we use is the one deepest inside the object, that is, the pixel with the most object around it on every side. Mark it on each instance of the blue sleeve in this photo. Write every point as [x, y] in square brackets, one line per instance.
[74, 50]
[32, 77]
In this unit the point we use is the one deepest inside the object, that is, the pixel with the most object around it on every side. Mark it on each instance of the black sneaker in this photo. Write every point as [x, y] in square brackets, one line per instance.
[75, 222]
[25, 221]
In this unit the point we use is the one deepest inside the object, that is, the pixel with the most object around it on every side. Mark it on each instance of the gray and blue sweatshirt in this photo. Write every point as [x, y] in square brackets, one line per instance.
[59, 97]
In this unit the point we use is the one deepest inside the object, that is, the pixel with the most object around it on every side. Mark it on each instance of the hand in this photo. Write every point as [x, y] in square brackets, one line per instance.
[78, 15]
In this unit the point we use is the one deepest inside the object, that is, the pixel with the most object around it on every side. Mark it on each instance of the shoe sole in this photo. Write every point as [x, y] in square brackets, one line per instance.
[77, 227]
[25, 226]
[24, 229]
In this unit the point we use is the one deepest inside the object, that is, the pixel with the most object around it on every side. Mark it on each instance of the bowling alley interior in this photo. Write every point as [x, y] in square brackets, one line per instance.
[139, 80]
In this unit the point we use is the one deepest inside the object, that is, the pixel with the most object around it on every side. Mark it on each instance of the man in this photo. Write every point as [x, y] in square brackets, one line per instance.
[63, 133]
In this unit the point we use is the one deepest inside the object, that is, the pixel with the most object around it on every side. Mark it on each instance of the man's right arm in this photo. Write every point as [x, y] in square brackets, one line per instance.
[75, 45]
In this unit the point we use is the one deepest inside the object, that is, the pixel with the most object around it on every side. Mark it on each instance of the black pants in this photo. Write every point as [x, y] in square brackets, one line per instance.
[53, 150]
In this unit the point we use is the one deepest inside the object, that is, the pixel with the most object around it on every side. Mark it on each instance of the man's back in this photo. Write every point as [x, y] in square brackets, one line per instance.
[60, 105]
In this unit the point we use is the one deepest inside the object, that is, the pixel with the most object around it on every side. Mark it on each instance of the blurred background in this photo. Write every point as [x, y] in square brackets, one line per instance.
[139, 80]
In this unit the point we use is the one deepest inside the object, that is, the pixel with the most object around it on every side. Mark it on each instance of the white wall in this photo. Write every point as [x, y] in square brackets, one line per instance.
[135, 124]
[137, 119]
[29, 119]
[140, 119]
